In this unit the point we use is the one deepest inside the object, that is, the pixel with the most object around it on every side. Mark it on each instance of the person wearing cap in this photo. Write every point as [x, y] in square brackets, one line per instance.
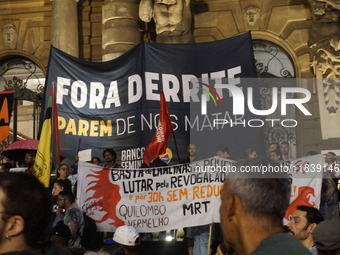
[128, 238]
[302, 224]
[326, 237]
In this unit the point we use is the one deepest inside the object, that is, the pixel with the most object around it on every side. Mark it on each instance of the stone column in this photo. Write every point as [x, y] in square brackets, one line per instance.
[324, 43]
[121, 32]
[64, 26]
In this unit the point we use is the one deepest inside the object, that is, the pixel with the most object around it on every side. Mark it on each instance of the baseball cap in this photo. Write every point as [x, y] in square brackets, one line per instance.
[126, 235]
[109, 241]
[326, 235]
[61, 230]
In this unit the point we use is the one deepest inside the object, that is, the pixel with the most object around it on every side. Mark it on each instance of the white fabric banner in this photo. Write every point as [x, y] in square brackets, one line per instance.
[306, 174]
[175, 196]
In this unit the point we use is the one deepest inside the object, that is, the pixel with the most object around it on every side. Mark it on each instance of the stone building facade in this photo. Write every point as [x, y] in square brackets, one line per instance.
[302, 36]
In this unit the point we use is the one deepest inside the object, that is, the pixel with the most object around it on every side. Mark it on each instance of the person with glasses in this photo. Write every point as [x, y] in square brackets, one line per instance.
[73, 217]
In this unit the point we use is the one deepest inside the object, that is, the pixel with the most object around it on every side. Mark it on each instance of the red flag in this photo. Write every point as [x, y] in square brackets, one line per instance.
[55, 149]
[159, 141]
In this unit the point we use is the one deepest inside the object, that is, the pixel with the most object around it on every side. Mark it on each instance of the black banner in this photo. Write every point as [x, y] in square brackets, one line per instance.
[115, 104]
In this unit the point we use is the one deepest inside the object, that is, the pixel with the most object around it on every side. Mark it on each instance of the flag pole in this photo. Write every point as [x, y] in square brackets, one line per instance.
[173, 135]
[209, 243]
[79, 141]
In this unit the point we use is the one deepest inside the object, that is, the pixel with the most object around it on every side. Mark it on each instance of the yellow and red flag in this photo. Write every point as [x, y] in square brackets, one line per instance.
[48, 154]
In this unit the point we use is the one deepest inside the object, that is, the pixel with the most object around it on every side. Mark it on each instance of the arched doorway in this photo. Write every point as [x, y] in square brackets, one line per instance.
[272, 61]
[27, 80]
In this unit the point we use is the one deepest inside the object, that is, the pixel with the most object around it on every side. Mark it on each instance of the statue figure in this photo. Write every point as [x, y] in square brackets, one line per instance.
[172, 18]
[324, 43]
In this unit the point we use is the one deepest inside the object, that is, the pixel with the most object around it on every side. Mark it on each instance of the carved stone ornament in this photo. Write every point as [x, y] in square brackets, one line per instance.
[251, 14]
[329, 65]
[334, 3]
[334, 42]
[319, 8]
[9, 34]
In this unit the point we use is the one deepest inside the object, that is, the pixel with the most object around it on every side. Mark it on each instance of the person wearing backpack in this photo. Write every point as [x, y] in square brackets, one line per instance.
[91, 239]
[73, 218]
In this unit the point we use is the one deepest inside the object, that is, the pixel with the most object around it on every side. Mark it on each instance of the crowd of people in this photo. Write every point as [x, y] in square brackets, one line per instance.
[251, 212]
